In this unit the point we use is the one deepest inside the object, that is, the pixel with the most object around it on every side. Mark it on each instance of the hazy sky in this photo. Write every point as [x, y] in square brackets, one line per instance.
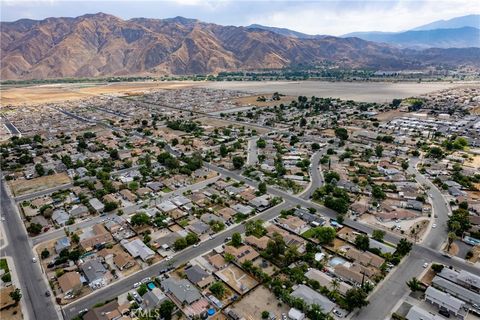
[313, 17]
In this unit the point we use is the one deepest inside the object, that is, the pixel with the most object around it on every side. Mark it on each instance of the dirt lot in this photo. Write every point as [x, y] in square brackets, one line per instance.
[12, 313]
[20, 187]
[389, 115]
[218, 123]
[252, 100]
[61, 92]
[261, 299]
[237, 279]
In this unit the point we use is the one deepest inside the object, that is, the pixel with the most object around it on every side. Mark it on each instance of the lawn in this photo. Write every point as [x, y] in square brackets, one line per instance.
[4, 265]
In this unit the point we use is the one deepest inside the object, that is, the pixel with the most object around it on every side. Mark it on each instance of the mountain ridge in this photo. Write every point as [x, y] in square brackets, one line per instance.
[104, 45]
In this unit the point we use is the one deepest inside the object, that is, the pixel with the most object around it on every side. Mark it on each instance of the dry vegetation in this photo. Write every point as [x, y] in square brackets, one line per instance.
[63, 92]
[23, 186]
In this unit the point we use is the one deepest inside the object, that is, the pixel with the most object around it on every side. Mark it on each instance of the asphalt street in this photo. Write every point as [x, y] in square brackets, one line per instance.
[33, 285]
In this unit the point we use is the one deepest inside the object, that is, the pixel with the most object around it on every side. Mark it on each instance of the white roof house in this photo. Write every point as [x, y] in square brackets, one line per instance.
[137, 248]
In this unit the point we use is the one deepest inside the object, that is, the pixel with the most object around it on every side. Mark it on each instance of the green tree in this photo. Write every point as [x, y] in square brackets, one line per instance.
[262, 188]
[378, 235]
[223, 150]
[16, 295]
[34, 228]
[45, 253]
[378, 193]
[142, 289]
[355, 298]
[459, 221]
[166, 309]
[140, 219]
[362, 242]
[191, 238]
[403, 247]
[265, 314]
[238, 162]
[180, 244]
[379, 150]
[255, 227]
[218, 289]
[236, 239]
[341, 133]
[261, 143]
[325, 235]
[414, 284]
[39, 169]
[75, 238]
[276, 246]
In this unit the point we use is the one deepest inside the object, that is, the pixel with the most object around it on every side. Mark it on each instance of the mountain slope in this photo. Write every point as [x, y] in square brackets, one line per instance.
[472, 20]
[440, 38]
[285, 32]
[103, 45]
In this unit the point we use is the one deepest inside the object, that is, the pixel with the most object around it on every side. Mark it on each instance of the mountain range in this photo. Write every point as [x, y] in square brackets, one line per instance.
[104, 45]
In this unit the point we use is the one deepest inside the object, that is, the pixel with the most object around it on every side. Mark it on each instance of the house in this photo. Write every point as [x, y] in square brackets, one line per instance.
[128, 195]
[95, 273]
[123, 261]
[180, 201]
[78, 211]
[243, 253]
[456, 290]
[295, 314]
[61, 244]
[312, 297]
[348, 274]
[326, 281]
[109, 311]
[294, 224]
[260, 243]
[166, 206]
[70, 283]
[242, 209]
[137, 248]
[418, 313]
[99, 238]
[153, 299]
[96, 205]
[217, 261]
[445, 301]
[364, 258]
[198, 276]
[60, 217]
[155, 186]
[182, 291]
[226, 213]
[198, 227]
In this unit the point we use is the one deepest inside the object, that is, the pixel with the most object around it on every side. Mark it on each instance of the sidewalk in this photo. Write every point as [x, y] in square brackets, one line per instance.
[16, 284]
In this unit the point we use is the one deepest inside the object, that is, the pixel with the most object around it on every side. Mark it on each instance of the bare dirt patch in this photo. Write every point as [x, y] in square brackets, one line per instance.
[62, 92]
[252, 100]
[237, 279]
[219, 123]
[23, 186]
[261, 299]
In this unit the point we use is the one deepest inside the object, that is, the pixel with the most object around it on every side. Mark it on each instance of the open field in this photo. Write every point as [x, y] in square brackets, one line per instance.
[23, 186]
[359, 91]
[68, 91]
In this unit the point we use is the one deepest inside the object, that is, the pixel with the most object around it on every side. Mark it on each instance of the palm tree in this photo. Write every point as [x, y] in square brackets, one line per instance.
[335, 285]
[414, 284]
[451, 237]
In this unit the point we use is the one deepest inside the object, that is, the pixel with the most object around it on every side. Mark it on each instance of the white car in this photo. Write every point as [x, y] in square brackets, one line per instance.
[34, 259]
[169, 258]
[434, 226]
[195, 245]
[136, 285]
[425, 264]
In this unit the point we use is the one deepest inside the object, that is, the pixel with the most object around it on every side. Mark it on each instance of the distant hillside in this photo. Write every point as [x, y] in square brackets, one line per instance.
[286, 32]
[472, 20]
[103, 45]
[464, 37]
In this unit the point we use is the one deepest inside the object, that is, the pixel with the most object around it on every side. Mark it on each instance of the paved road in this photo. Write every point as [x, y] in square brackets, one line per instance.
[394, 288]
[54, 234]
[252, 152]
[19, 248]
[182, 257]
[316, 176]
[441, 209]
